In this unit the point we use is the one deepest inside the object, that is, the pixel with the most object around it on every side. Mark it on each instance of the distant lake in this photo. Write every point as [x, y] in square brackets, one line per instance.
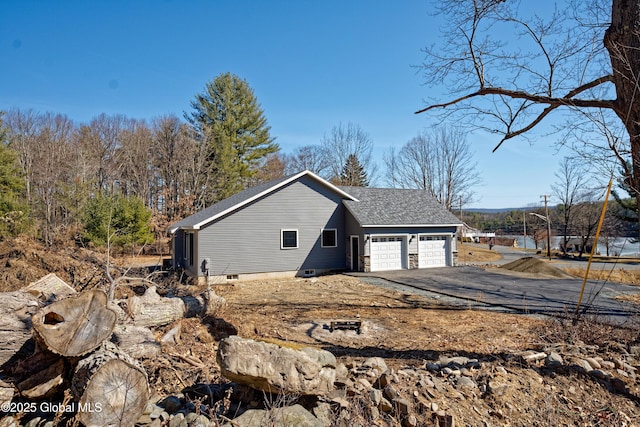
[622, 246]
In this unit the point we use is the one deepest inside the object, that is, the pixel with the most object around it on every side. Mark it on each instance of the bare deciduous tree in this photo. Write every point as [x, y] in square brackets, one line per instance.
[272, 167]
[103, 139]
[49, 176]
[586, 222]
[21, 125]
[509, 67]
[570, 188]
[307, 157]
[439, 162]
[343, 141]
[180, 163]
[135, 161]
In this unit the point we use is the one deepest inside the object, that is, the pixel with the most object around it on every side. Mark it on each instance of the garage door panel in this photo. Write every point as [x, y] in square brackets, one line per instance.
[387, 253]
[432, 251]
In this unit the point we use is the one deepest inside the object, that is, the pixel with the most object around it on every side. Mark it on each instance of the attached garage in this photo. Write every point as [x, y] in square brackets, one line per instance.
[432, 251]
[388, 253]
[398, 229]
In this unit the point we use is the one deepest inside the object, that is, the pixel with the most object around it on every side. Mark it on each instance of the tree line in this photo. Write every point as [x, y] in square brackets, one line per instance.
[117, 176]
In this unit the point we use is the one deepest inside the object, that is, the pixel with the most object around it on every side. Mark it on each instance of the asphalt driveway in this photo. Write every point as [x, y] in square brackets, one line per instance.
[516, 293]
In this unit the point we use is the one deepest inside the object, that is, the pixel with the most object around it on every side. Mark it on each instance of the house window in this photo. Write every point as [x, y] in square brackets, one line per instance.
[329, 238]
[288, 239]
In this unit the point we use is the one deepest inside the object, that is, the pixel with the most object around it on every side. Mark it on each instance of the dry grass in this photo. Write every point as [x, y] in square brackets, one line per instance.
[629, 277]
[589, 330]
[475, 253]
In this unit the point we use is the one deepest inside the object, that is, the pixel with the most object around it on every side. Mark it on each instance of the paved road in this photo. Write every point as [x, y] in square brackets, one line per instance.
[511, 254]
[490, 289]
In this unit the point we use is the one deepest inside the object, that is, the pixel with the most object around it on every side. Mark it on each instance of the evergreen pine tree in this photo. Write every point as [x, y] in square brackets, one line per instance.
[353, 174]
[121, 220]
[627, 207]
[228, 118]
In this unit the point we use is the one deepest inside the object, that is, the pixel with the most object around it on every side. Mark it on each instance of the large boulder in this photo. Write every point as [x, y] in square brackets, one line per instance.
[286, 416]
[276, 369]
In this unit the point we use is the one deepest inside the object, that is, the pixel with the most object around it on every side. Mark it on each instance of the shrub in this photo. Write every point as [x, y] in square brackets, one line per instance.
[122, 220]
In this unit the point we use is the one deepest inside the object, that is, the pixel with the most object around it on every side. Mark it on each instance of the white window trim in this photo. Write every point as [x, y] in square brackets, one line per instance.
[282, 238]
[335, 231]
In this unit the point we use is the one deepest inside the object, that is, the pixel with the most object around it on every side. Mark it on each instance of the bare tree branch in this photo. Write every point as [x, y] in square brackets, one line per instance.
[553, 102]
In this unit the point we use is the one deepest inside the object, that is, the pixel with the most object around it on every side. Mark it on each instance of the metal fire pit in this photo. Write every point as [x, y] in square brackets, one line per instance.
[345, 325]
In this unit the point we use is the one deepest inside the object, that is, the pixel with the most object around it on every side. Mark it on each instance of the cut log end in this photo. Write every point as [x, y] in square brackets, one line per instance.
[111, 388]
[117, 395]
[74, 326]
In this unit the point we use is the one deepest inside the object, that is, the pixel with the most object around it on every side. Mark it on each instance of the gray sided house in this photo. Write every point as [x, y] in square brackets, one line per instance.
[303, 225]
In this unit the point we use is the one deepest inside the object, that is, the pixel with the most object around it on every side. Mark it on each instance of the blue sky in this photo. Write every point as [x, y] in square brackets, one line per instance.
[311, 64]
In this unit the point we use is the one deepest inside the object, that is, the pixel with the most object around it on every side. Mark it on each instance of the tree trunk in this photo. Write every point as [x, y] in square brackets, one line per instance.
[151, 309]
[41, 375]
[6, 393]
[74, 326]
[50, 288]
[111, 388]
[622, 41]
[136, 341]
[15, 322]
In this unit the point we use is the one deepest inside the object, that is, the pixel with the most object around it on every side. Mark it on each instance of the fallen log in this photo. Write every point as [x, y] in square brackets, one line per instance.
[15, 322]
[136, 341]
[40, 375]
[50, 288]
[111, 388]
[76, 325]
[6, 393]
[151, 309]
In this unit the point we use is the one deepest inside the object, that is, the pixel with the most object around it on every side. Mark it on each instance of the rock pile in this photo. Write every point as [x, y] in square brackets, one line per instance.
[367, 392]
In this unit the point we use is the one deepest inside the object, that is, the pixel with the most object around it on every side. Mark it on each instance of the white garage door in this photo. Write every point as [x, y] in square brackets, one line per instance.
[387, 253]
[432, 251]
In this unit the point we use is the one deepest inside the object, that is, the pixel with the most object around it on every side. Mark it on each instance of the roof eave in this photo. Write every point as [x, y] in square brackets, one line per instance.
[408, 225]
[188, 228]
[270, 190]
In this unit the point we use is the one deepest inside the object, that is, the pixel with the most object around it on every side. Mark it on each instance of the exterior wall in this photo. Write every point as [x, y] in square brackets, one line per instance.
[412, 234]
[352, 228]
[178, 249]
[180, 255]
[413, 261]
[248, 240]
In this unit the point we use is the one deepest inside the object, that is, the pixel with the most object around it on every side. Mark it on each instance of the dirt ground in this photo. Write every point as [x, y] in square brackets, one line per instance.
[300, 310]
[407, 330]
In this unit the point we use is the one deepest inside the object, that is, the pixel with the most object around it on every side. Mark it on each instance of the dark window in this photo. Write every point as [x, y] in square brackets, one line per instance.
[189, 237]
[289, 239]
[329, 238]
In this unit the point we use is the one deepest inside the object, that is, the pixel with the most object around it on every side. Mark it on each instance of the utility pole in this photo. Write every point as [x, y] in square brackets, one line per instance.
[524, 223]
[546, 212]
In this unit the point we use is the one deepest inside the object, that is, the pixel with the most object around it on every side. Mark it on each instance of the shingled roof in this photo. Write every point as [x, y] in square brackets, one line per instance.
[397, 207]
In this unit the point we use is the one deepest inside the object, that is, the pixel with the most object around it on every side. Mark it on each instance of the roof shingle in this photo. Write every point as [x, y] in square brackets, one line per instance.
[393, 206]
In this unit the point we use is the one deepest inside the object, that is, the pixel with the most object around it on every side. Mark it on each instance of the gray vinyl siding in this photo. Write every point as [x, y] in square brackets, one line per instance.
[354, 229]
[248, 240]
